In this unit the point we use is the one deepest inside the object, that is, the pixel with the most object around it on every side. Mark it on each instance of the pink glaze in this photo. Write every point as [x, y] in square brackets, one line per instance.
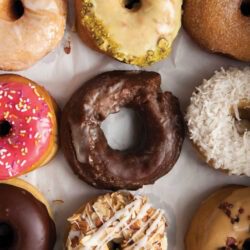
[30, 117]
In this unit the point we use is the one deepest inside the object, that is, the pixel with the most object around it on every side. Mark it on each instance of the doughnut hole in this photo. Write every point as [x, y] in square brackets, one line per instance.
[11, 10]
[5, 128]
[115, 244]
[246, 245]
[132, 5]
[124, 130]
[245, 8]
[243, 124]
[7, 236]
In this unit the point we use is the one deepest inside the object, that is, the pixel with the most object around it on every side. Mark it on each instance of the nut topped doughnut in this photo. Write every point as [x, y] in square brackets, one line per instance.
[84, 143]
[25, 218]
[222, 221]
[28, 126]
[220, 26]
[118, 221]
[29, 29]
[219, 120]
[137, 32]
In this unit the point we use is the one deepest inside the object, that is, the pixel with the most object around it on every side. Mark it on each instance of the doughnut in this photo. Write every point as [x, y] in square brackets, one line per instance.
[139, 32]
[28, 126]
[117, 221]
[220, 26]
[219, 121]
[29, 30]
[222, 221]
[25, 218]
[84, 143]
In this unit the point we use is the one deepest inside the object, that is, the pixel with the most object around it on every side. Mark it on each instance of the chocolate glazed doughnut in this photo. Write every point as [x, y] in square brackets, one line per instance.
[24, 221]
[84, 143]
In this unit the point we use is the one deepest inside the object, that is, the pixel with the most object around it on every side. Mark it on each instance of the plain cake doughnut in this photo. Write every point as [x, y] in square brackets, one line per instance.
[220, 26]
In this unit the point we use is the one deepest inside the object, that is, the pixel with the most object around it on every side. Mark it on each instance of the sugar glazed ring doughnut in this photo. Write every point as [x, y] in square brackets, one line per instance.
[28, 126]
[222, 221]
[138, 32]
[29, 29]
[84, 143]
[118, 221]
[219, 121]
[25, 218]
[220, 26]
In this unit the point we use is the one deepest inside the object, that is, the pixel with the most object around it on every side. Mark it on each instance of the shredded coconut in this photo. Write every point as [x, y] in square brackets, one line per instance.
[212, 124]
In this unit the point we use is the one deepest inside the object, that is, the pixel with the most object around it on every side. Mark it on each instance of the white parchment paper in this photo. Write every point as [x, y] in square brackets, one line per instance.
[179, 192]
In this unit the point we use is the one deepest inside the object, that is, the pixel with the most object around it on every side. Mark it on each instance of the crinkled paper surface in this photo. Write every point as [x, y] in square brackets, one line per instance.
[190, 181]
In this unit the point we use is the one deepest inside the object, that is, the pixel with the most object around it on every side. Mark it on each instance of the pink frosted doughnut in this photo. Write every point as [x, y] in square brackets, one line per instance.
[28, 127]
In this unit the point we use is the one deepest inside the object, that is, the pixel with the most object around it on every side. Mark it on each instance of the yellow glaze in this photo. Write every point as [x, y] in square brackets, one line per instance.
[29, 38]
[141, 36]
[211, 227]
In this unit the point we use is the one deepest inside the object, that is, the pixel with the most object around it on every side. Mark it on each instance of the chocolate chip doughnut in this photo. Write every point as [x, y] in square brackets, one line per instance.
[84, 143]
[220, 26]
[222, 221]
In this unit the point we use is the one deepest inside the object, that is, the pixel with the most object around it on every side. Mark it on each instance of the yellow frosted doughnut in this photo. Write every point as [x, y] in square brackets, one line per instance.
[138, 32]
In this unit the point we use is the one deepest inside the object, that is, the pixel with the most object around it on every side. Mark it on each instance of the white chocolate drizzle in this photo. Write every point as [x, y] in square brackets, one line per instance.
[150, 233]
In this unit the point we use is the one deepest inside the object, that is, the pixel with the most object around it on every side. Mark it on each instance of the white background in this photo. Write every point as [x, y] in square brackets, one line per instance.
[190, 181]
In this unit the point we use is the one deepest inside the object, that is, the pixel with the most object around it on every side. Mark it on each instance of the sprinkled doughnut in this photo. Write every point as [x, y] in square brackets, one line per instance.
[85, 145]
[138, 32]
[28, 126]
[222, 221]
[118, 221]
[29, 29]
[220, 26]
[219, 121]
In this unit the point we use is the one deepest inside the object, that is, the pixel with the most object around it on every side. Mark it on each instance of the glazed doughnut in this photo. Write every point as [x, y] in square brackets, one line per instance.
[118, 221]
[28, 126]
[222, 221]
[29, 29]
[220, 26]
[25, 218]
[138, 32]
[219, 121]
[84, 143]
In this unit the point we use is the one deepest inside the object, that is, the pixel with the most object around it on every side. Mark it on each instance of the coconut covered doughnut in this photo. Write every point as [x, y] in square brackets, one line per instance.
[219, 120]
[222, 221]
[28, 126]
[85, 145]
[220, 26]
[25, 218]
[137, 32]
[117, 221]
[29, 29]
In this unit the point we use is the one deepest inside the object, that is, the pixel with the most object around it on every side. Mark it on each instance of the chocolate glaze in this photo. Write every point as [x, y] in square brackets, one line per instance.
[24, 221]
[84, 143]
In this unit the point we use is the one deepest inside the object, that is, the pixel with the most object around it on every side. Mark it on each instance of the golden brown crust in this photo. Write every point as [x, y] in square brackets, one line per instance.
[54, 109]
[82, 31]
[19, 48]
[221, 217]
[219, 26]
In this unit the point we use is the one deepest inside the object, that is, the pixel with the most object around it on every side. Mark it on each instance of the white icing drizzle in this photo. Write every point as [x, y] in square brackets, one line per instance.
[212, 125]
[120, 222]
